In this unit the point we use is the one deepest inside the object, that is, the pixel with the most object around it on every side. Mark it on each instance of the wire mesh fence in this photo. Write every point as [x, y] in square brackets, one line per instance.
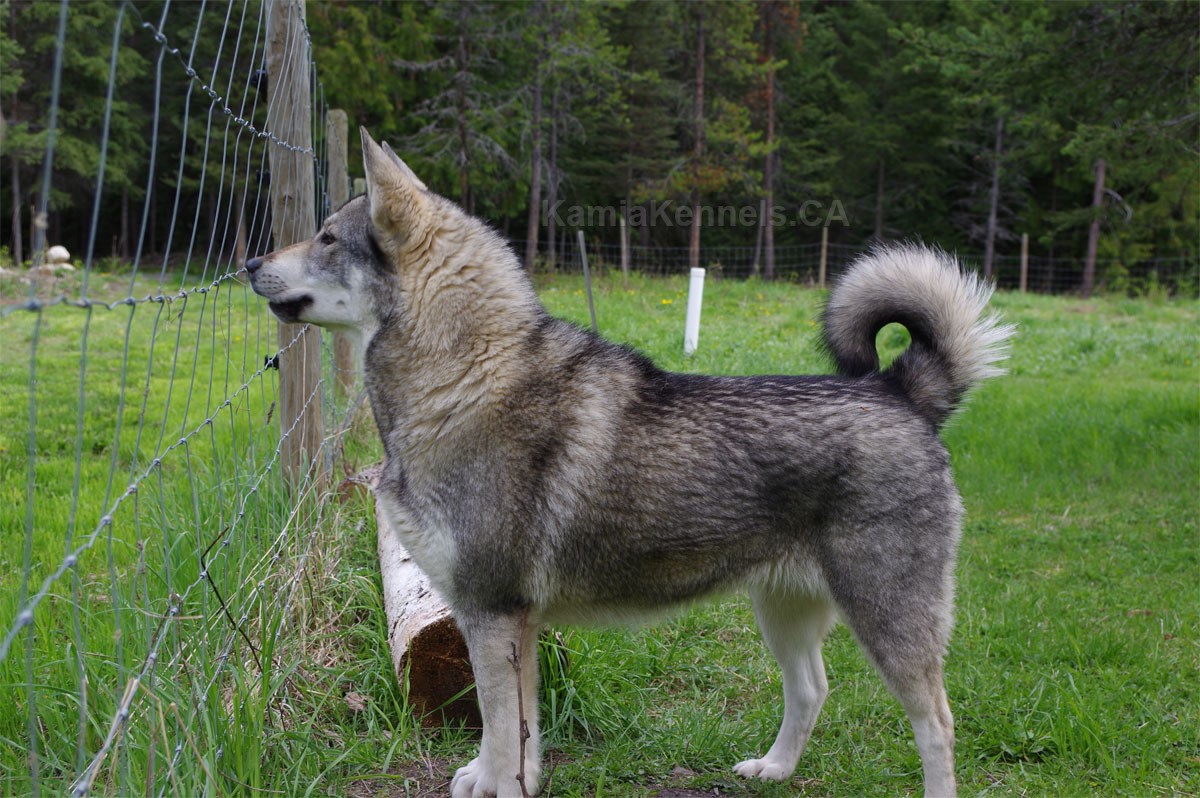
[154, 527]
[801, 263]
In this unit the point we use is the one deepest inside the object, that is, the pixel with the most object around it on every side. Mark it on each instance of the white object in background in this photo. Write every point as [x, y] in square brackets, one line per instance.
[691, 327]
[58, 254]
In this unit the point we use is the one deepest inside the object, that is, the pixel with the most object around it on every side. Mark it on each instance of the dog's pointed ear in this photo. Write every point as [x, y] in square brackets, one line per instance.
[397, 196]
[396, 159]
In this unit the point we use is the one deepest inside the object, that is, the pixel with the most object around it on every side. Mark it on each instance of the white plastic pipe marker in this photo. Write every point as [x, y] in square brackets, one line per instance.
[691, 327]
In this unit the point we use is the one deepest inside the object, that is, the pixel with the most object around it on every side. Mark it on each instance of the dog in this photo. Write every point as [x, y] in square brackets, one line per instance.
[544, 475]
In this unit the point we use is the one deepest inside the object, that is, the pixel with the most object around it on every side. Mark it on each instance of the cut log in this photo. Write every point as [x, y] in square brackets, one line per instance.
[428, 651]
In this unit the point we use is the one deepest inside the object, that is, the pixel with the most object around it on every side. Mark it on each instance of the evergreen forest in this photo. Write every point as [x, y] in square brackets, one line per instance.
[703, 124]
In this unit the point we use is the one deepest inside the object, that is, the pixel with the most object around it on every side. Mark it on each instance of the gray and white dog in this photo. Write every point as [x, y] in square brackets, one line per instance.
[545, 475]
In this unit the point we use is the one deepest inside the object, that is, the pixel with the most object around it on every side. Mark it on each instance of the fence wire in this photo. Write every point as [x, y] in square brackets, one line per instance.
[150, 546]
[801, 263]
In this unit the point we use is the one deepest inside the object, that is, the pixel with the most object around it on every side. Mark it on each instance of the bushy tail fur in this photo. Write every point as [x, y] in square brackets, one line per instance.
[954, 345]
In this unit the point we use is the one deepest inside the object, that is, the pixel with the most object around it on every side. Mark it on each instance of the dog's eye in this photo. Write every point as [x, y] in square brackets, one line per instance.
[326, 238]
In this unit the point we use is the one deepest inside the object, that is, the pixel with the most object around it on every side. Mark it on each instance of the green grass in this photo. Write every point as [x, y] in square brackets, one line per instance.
[1074, 669]
[139, 464]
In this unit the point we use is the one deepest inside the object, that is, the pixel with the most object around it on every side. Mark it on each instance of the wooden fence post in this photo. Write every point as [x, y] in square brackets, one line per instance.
[758, 240]
[824, 255]
[1089, 265]
[1024, 261]
[624, 248]
[293, 219]
[337, 130]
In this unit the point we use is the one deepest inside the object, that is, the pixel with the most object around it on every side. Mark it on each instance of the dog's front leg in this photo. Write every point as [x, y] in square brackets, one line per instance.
[503, 651]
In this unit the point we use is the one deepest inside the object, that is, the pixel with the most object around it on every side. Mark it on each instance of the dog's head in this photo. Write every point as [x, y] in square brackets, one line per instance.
[338, 278]
[401, 258]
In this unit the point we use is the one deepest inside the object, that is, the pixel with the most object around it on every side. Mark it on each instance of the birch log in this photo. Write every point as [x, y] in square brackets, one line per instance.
[427, 648]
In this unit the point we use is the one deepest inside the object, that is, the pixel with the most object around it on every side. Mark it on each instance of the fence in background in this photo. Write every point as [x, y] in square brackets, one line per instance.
[803, 264]
[159, 457]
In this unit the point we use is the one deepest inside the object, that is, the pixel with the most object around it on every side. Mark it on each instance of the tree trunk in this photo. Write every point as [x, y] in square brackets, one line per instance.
[769, 165]
[698, 146]
[535, 177]
[879, 202]
[152, 198]
[758, 239]
[552, 181]
[15, 164]
[769, 232]
[18, 244]
[461, 87]
[989, 244]
[123, 248]
[1089, 265]
[1048, 276]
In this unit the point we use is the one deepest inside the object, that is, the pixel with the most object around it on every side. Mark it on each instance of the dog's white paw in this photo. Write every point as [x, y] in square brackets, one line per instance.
[762, 769]
[475, 780]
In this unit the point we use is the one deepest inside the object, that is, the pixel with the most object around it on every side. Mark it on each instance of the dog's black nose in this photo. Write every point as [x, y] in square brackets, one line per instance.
[253, 265]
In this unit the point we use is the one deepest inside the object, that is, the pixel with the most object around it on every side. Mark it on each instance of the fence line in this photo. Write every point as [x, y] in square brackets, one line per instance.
[801, 263]
[150, 547]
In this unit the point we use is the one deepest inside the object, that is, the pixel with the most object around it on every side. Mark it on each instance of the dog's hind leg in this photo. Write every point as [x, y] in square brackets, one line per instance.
[924, 700]
[920, 689]
[903, 623]
[794, 628]
[503, 651]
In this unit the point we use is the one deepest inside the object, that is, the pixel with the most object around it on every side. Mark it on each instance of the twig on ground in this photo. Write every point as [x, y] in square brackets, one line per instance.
[515, 660]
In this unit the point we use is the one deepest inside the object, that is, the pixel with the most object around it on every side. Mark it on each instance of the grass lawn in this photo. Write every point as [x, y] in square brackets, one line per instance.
[1074, 669]
[151, 442]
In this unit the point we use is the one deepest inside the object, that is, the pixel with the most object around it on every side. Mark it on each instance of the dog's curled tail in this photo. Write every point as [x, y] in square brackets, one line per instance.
[954, 344]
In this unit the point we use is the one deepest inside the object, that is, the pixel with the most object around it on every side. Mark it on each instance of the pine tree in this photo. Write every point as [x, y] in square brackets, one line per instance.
[26, 73]
[722, 141]
[470, 101]
[631, 148]
[777, 22]
[577, 80]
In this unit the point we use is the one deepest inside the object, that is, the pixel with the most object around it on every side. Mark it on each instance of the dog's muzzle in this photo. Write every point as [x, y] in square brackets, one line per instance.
[288, 310]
